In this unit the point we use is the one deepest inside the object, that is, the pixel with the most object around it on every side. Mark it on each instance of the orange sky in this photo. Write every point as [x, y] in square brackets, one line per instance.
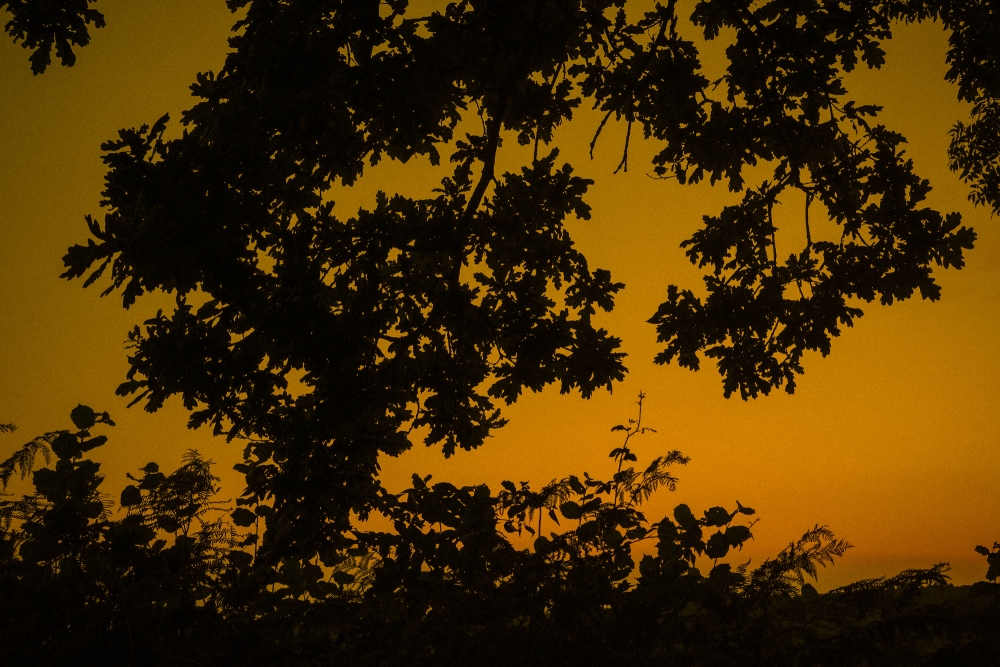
[892, 440]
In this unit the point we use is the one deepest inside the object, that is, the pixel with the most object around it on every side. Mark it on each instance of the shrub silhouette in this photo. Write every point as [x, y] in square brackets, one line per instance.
[171, 580]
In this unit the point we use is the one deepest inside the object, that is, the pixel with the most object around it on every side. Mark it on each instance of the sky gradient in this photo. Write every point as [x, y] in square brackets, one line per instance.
[893, 440]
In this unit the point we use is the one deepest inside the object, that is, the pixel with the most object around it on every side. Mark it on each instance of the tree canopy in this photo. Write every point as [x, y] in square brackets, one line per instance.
[428, 313]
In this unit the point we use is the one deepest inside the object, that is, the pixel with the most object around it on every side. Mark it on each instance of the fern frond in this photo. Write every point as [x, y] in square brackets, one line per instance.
[362, 568]
[911, 579]
[654, 477]
[786, 572]
[23, 460]
[25, 509]
[860, 586]
[107, 503]
[552, 495]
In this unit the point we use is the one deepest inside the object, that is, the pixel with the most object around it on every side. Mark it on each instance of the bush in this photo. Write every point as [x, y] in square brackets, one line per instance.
[173, 581]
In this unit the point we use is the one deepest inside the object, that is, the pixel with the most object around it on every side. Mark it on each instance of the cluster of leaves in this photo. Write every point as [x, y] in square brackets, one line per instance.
[786, 106]
[171, 582]
[993, 558]
[41, 25]
[974, 57]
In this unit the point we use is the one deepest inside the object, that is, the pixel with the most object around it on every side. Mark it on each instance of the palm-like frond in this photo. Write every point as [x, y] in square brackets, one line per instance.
[361, 567]
[905, 580]
[183, 497]
[642, 486]
[23, 460]
[551, 496]
[25, 509]
[786, 572]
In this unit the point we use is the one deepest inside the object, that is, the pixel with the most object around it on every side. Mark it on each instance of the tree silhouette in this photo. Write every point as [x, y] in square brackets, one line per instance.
[426, 313]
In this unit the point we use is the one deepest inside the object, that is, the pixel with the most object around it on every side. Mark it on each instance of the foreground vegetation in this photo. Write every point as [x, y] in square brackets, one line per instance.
[172, 577]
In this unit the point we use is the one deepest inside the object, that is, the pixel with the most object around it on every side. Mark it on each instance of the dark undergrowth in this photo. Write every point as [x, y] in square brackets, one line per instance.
[172, 576]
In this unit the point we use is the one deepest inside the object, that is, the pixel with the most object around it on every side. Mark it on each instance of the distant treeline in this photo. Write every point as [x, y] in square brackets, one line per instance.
[172, 577]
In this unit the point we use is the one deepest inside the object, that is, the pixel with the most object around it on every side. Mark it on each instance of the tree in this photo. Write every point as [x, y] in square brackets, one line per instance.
[425, 313]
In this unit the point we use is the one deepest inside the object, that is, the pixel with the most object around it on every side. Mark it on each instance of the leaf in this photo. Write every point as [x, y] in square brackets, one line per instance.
[684, 517]
[636, 533]
[83, 417]
[722, 571]
[152, 480]
[588, 531]
[23, 460]
[240, 559]
[243, 517]
[571, 510]
[717, 546]
[93, 443]
[613, 538]
[717, 516]
[66, 446]
[131, 496]
[666, 531]
[737, 535]
[591, 505]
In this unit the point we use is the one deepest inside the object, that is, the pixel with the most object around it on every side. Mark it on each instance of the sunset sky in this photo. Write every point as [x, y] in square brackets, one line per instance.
[893, 440]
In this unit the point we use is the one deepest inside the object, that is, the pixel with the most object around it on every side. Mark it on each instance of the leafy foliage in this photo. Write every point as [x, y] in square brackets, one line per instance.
[41, 25]
[327, 339]
[171, 582]
[23, 460]
[974, 57]
[786, 106]
[993, 558]
[74, 579]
